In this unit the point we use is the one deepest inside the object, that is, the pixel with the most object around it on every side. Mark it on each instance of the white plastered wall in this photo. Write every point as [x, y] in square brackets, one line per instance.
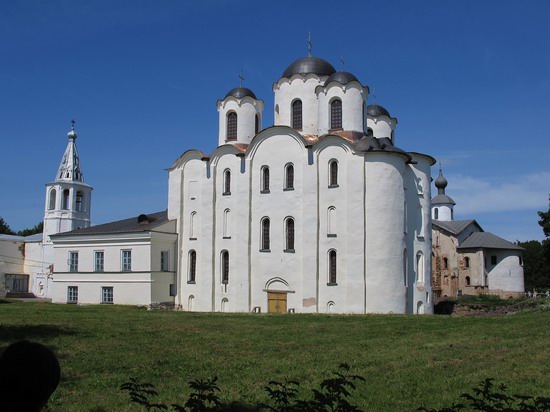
[246, 108]
[352, 97]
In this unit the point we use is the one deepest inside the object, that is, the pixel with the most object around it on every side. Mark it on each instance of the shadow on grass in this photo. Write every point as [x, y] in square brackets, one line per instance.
[5, 301]
[31, 332]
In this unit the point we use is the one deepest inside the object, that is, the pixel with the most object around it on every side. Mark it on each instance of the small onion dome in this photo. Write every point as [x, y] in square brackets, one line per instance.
[376, 110]
[441, 182]
[71, 134]
[342, 78]
[240, 92]
[309, 65]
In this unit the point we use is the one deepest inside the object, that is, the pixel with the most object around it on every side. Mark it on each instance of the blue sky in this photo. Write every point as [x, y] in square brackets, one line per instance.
[468, 80]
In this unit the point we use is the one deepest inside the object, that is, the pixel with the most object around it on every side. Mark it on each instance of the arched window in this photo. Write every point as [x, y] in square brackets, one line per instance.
[192, 222]
[232, 126]
[420, 267]
[192, 266]
[436, 213]
[225, 267]
[445, 263]
[256, 124]
[265, 179]
[336, 114]
[297, 115]
[289, 233]
[53, 195]
[332, 267]
[79, 199]
[265, 241]
[65, 204]
[226, 233]
[333, 173]
[289, 176]
[190, 303]
[466, 262]
[467, 280]
[227, 182]
[331, 221]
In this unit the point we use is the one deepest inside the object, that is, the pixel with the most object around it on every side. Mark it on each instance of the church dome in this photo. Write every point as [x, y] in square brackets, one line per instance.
[342, 78]
[307, 65]
[240, 92]
[441, 182]
[376, 110]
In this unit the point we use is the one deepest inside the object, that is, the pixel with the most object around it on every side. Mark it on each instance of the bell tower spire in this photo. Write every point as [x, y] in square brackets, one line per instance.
[442, 205]
[68, 198]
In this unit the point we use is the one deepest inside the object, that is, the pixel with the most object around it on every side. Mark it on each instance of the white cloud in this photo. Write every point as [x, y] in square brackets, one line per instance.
[520, 192]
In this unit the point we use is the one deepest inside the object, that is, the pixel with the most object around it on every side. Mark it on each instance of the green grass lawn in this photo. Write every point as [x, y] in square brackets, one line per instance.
[406, 360]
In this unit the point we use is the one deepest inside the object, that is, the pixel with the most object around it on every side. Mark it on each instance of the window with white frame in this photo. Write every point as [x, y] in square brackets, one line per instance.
[164, 262]
[73, 262]
[126, 260]
[107, 295]
[297, 114]
[332, 257]
[289, 177]
[336, 114]
[192, 266]
[333, 174]
[72, 294]
[265, 235]
[227, 182]
[264, 184]
[232, 126]
[99, 261]
[289, 234]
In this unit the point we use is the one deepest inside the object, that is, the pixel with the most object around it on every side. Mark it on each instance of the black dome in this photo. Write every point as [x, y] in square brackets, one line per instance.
[342, 78]
[376, 110]
[307, 65]
[240, 92]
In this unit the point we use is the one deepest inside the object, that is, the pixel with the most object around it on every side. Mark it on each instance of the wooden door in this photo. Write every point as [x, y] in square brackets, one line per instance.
[276, 302]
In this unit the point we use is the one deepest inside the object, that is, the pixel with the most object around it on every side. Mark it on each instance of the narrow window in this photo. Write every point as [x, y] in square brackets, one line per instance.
[192, 218]
[99, 261]
[192, 266]
[164, 262]
[232, 126]
[297, 115]
[265, 234]
[436, 213]
[466, 262]
[226, 233]
[227, 182]
[53, 195]
[332, 267]
[256, 124]
[333, 173]
[107, 294]
[265, 179]
[79, 198]
[73, 261]
[65, 199]
[493, 260]
[467, 280]
[126, 260]
[289, 234]
[420, 267]
[72, 294]
[331, 223]
[225, 267]
[336, 114]
[289, 177]
[520, 260]
[445, 263]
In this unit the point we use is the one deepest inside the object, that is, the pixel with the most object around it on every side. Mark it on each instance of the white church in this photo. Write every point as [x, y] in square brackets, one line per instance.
[319, 213]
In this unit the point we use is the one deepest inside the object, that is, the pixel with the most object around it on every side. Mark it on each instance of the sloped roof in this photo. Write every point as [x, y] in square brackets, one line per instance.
[454, 226]
[133, 225]
[487, 240]
[442, 199]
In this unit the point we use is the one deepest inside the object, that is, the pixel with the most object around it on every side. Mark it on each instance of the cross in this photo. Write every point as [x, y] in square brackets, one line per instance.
[342, 59]
[72, 122]
[309, 44]
[241, 77]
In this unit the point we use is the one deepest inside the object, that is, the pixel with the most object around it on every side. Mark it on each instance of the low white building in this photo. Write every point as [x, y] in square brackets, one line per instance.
[128, 262]
[467, 260]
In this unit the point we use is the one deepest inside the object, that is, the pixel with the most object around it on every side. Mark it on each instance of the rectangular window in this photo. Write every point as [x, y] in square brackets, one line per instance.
[99, 259]
[493, 260]
[164, 261]
[126, 260]
[107, 294]
[72, 294]
[73, 262]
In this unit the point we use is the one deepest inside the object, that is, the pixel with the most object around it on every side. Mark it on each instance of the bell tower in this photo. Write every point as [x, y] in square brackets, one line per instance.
[68, 198]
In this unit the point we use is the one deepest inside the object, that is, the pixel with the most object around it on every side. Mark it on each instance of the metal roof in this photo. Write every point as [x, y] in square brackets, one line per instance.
[141, 223]
[442, 199]
[307, 65]
[342, 78]
[486, 240]
[376, 110]
[454, 227]
[240, 92]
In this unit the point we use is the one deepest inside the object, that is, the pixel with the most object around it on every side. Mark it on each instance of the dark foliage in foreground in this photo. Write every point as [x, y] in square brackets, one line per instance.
[332, 396]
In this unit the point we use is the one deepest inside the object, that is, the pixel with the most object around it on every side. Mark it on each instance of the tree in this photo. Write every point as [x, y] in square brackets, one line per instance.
[4, 228]
[536, 268]
[544, 221]
[33, 230]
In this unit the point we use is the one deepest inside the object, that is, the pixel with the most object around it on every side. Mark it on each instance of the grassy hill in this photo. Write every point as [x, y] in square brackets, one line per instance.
[407, 360]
